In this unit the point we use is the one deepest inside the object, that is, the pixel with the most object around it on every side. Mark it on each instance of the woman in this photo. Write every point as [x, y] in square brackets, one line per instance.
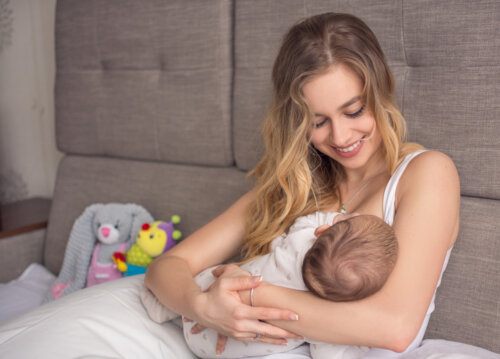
[334, 140]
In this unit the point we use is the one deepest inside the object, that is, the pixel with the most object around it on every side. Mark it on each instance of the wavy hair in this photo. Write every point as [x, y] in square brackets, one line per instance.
[293, 178]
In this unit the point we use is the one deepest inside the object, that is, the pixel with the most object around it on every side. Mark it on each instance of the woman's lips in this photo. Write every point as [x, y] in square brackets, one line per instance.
[349, 151]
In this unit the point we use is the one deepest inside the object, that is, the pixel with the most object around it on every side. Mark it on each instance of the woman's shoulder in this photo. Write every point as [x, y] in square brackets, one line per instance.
[430, 169]
[430, 163]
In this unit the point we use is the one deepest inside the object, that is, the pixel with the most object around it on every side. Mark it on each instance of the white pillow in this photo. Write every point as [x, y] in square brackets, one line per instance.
[106, 320]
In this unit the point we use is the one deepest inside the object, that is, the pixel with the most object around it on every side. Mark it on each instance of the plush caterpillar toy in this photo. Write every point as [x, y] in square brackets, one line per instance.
[152, 240]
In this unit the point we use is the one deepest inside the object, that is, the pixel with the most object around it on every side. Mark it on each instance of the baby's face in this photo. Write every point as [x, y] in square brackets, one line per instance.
[340, 217]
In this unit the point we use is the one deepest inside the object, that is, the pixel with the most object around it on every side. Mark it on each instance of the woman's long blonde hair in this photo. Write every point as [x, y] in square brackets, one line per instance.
[293, 178]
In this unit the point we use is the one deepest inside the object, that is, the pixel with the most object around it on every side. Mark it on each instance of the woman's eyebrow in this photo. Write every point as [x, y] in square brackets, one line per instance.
[350, 102]
[347, 104]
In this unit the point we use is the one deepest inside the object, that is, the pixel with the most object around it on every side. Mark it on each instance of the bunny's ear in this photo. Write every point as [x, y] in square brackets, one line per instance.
[139, 216]
[78, 253]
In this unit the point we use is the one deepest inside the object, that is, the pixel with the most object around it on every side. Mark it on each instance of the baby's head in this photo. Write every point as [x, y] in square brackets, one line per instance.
[351, 260]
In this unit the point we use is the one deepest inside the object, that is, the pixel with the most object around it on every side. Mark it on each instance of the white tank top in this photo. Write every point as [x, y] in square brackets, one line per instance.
[389, 211]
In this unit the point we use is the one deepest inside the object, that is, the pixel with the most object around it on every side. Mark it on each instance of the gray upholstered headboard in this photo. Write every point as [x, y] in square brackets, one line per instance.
[160, 102]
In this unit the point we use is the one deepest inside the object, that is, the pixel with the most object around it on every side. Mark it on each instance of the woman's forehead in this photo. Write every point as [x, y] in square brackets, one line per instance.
[337, 88]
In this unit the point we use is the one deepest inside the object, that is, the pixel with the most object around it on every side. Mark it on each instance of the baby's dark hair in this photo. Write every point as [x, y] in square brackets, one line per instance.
[351, 260]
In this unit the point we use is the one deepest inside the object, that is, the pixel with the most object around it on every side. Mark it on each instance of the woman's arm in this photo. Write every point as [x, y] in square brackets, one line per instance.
[426, 225]
[170, 277]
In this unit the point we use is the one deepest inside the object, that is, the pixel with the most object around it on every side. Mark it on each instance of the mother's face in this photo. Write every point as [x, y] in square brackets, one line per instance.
[342, 124]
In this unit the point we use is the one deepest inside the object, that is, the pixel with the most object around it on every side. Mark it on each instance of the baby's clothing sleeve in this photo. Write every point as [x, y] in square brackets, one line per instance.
[156, 311]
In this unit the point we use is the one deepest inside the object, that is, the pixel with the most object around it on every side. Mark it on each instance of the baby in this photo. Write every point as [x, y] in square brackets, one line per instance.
[350, 260]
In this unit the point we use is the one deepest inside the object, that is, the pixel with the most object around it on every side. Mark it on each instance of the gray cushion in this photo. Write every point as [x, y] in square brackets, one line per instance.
[456, 110]
[19, 251]
[138, 87]
[458, 33]
[468, 299]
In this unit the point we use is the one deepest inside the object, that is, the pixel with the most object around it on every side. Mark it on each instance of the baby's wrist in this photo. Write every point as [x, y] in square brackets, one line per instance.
[257, 294]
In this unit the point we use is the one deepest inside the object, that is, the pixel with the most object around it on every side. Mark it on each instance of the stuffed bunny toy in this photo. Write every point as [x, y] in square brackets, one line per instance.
[100, 231]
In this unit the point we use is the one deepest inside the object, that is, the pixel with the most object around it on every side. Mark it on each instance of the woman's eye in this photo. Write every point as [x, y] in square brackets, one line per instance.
[320, 123]
[357, 113]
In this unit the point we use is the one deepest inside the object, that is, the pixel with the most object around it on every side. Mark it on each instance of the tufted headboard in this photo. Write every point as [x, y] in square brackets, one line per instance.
[160, 103]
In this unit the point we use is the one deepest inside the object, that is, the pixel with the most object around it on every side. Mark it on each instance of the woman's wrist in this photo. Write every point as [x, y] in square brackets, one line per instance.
[196, 300]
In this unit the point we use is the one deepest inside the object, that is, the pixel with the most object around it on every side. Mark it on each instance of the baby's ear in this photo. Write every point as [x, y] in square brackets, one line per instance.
[319, 231]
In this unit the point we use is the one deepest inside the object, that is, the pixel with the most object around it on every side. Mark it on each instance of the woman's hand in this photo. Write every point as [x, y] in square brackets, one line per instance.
[222, 309]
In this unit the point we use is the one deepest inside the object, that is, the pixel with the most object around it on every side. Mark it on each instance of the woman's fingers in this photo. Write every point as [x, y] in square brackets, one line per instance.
[262, 313]
[271, 331]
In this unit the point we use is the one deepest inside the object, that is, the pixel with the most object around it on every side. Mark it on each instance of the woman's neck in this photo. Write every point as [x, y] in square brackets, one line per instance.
[355, 177]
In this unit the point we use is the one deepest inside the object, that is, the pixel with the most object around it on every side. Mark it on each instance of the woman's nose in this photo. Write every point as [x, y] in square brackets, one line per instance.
[340, 133]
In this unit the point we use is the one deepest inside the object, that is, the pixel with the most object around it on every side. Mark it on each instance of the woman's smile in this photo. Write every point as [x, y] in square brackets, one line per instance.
[351, 150]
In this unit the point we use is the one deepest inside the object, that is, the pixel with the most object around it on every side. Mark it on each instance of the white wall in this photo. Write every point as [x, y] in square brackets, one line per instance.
[28, 155]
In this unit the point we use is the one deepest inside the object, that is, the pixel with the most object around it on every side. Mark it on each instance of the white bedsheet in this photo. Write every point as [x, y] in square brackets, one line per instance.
[109, 321]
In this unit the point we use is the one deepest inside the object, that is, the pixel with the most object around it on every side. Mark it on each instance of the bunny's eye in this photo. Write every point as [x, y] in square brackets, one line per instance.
[116, 226]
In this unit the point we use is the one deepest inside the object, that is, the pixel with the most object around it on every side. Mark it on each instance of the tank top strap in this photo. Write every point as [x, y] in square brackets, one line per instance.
[390, 190]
